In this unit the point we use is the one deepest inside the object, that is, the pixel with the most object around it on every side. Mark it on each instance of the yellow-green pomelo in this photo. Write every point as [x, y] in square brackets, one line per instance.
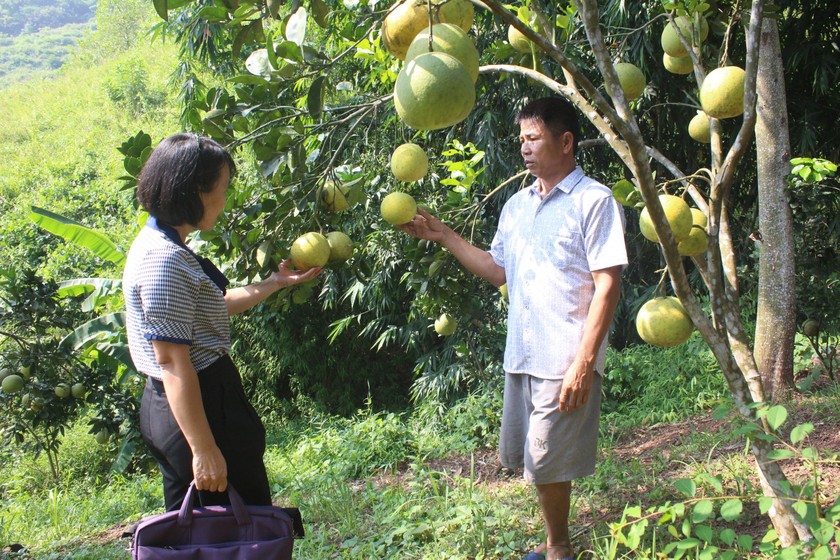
[341, 246]
[398, 208]
[677, 64]
[310, 250]
[445, 324]
[409, 162]
[722, 92]
[699, 128]
[632, 80]
[433, 91]
[518, 40]
[62, 390]
[12, 383]
[450, 39]
[670, 41]
[698, 218]
[4, 373]
[333, 197]
[664, 322]
[677, 213]
[410, 17]
[102, 436]
[695, 244]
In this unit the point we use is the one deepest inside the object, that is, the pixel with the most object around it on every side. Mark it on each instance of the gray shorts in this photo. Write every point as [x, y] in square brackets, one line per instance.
[552, 446]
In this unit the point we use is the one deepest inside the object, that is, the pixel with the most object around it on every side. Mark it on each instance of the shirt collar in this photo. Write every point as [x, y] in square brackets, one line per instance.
[206, 265]
[568, 183]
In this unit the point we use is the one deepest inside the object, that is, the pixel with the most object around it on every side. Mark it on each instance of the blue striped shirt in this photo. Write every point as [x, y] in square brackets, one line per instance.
[549, 248]
[170, 297]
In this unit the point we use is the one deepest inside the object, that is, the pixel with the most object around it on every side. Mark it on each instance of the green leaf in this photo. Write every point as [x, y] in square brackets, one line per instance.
[296, 26]
[106, 324]
[704, 533]
[702, 511]
[727, 536]
[776, 416]
[745, 542]
[778, 454]
[764, 504]
[800, 432]
[315, 97]
[162, 8]
[731, 509]
[686, 544]
[75, 232]
[686, 486]
[213, 13]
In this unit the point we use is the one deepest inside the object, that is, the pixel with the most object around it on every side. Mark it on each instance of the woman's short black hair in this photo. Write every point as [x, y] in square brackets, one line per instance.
[556, 113]
[179, 168]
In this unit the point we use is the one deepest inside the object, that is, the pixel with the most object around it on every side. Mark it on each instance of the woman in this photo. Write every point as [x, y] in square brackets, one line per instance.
[194, 415]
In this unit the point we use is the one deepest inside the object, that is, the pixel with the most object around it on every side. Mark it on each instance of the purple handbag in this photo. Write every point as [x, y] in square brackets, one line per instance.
[234, 532]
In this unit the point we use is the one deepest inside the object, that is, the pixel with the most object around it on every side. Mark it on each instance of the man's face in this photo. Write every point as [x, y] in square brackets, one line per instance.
[545, 154]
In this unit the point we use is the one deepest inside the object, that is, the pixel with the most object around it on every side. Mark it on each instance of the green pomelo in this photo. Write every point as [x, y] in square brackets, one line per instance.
[434, 91]
[62, 390]
[632, 80]
[664, 322]
[699, 128]
[310, 250]
[78, 390]
[398, 208]
[445, 325]
[678, 214]
[670, 41]
[450, 39]
[12, 383]
[102, 436]
[518, 40]
[409, 17]
[333, 197]
[677, 64]
[722, 92]
[409, 162]
[341, 246]
[811, 327]
[4, 373]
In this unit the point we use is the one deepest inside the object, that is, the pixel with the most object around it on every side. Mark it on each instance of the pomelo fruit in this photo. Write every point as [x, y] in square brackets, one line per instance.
[722, 92]
[677, 64]
[409, 162]
[695, 244]
[445, 325]
[310, 250]
[811, 327]
[341, 246]
[677, 213]
[62, 390]
[398, 208]
[410, 17]
[4, 373]
[78, 390]
[503, 289]
[433, 91]
[102, 436]
[699, 128]
[518, 40]
[450, 39]
[26, 372]
[12, 383]
[632, 80]
[333, 197]
[664, 322]
[698, 218]
[670, 41]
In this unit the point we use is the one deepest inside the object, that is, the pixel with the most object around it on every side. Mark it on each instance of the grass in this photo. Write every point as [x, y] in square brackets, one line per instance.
[424, 483]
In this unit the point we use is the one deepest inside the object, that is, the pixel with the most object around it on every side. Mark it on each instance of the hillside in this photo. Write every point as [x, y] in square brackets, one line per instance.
[37, 36]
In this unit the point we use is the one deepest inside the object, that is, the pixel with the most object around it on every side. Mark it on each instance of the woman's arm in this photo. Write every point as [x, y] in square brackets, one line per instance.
[180, 381]
[245, 297]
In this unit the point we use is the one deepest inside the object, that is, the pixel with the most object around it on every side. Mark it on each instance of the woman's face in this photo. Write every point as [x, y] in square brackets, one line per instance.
[214, 200]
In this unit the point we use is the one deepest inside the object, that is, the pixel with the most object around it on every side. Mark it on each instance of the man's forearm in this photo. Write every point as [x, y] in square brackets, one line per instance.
[476, 260]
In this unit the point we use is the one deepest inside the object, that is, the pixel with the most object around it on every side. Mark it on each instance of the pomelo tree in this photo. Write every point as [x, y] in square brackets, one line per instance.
[301, 88]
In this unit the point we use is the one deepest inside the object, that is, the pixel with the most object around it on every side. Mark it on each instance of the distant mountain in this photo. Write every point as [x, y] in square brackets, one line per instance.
[37, 35]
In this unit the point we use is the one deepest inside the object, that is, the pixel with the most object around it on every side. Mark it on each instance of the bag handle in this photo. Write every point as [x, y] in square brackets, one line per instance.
[240, 512]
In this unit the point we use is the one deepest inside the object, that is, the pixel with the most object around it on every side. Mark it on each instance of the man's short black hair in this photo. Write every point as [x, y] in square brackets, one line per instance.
[556, 113]
[180, 168]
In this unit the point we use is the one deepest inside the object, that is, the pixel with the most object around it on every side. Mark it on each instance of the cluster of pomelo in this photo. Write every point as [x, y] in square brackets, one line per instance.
[436, 86]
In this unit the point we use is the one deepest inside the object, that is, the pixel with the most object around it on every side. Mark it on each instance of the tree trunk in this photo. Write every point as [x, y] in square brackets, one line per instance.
[776, 315]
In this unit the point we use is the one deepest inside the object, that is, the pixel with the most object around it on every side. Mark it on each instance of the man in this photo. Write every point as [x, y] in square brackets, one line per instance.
[560, 248]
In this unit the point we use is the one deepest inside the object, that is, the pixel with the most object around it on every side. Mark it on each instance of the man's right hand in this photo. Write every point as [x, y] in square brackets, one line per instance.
[425, 226]
[210, 470]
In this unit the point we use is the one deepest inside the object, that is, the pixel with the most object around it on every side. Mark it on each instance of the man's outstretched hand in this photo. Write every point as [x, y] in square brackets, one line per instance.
[425, 226]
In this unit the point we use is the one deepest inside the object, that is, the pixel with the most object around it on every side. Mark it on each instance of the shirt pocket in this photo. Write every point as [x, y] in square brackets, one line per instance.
[566, 247]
